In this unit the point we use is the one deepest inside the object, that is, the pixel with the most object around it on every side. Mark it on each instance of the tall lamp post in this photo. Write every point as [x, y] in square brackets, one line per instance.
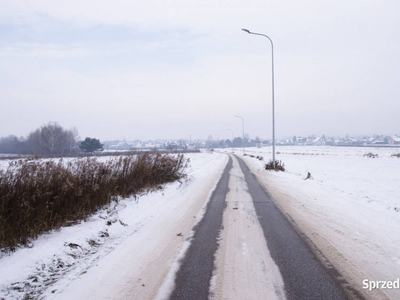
[243, 129]
[273, 101]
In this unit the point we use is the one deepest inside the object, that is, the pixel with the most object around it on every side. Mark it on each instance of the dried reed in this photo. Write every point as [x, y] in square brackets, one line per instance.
[40, 195]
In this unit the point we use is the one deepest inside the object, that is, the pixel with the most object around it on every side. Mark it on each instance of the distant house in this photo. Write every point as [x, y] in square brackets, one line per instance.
[329, 141]
[191, 146]
[300, 141]
[394, 139]
[319, 141]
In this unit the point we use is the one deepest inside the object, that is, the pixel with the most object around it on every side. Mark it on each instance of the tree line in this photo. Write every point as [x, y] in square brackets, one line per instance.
[50, 139]
[236, 142]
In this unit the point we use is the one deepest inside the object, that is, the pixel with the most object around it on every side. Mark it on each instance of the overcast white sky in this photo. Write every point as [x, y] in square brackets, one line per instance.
[170, 69]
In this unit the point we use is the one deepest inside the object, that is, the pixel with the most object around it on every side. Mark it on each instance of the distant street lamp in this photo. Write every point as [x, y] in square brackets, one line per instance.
[273, 101]
[243, 129]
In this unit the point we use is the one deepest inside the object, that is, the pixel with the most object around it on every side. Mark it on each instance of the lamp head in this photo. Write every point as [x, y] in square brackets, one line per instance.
[246, 30]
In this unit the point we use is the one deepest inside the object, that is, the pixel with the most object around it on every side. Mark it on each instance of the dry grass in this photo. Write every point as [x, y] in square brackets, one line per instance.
[396, 155]
[279, 165]
[37, 195]
[370, 155]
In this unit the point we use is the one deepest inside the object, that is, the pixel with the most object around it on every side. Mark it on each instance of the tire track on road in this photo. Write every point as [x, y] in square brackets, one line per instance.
[193, 278]
[303, 275]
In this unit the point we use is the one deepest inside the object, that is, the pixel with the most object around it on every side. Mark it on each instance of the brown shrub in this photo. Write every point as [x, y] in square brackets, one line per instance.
[371, 155]
[279, 165]
[37, 196]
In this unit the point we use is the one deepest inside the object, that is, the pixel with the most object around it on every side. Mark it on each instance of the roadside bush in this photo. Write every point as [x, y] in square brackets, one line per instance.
[396, 155]
[279, 165]
[371, 155]
[37, 195]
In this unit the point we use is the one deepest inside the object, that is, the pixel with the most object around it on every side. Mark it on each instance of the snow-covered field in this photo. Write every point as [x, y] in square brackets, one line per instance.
[350, 209]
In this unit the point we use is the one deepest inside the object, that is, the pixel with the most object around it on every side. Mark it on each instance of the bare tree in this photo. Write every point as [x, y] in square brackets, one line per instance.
[53, 139]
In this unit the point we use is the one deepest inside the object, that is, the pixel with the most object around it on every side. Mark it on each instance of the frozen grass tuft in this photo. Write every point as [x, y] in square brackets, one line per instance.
[371, 155]
[279, 165]
[38, 196]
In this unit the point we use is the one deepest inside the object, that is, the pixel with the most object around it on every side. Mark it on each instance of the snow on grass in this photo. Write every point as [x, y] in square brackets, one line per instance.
[124, 249]
[350, 210]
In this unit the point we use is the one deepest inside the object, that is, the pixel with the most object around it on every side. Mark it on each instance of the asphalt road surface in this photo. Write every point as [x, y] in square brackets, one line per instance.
[303, 275]
[193, 278]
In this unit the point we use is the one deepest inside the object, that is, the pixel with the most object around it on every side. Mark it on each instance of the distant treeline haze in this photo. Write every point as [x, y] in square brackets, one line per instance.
[50, 139]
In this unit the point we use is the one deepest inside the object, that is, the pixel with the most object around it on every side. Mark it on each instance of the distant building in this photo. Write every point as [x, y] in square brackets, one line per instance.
[394, 139]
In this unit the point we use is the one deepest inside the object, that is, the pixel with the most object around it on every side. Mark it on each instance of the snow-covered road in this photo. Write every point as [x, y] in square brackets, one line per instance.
[228, 257]
[350, 211]
[244, 267]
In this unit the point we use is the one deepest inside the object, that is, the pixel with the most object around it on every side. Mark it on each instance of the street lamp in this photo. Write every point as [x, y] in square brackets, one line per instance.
[243, 129]
[273, 101]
